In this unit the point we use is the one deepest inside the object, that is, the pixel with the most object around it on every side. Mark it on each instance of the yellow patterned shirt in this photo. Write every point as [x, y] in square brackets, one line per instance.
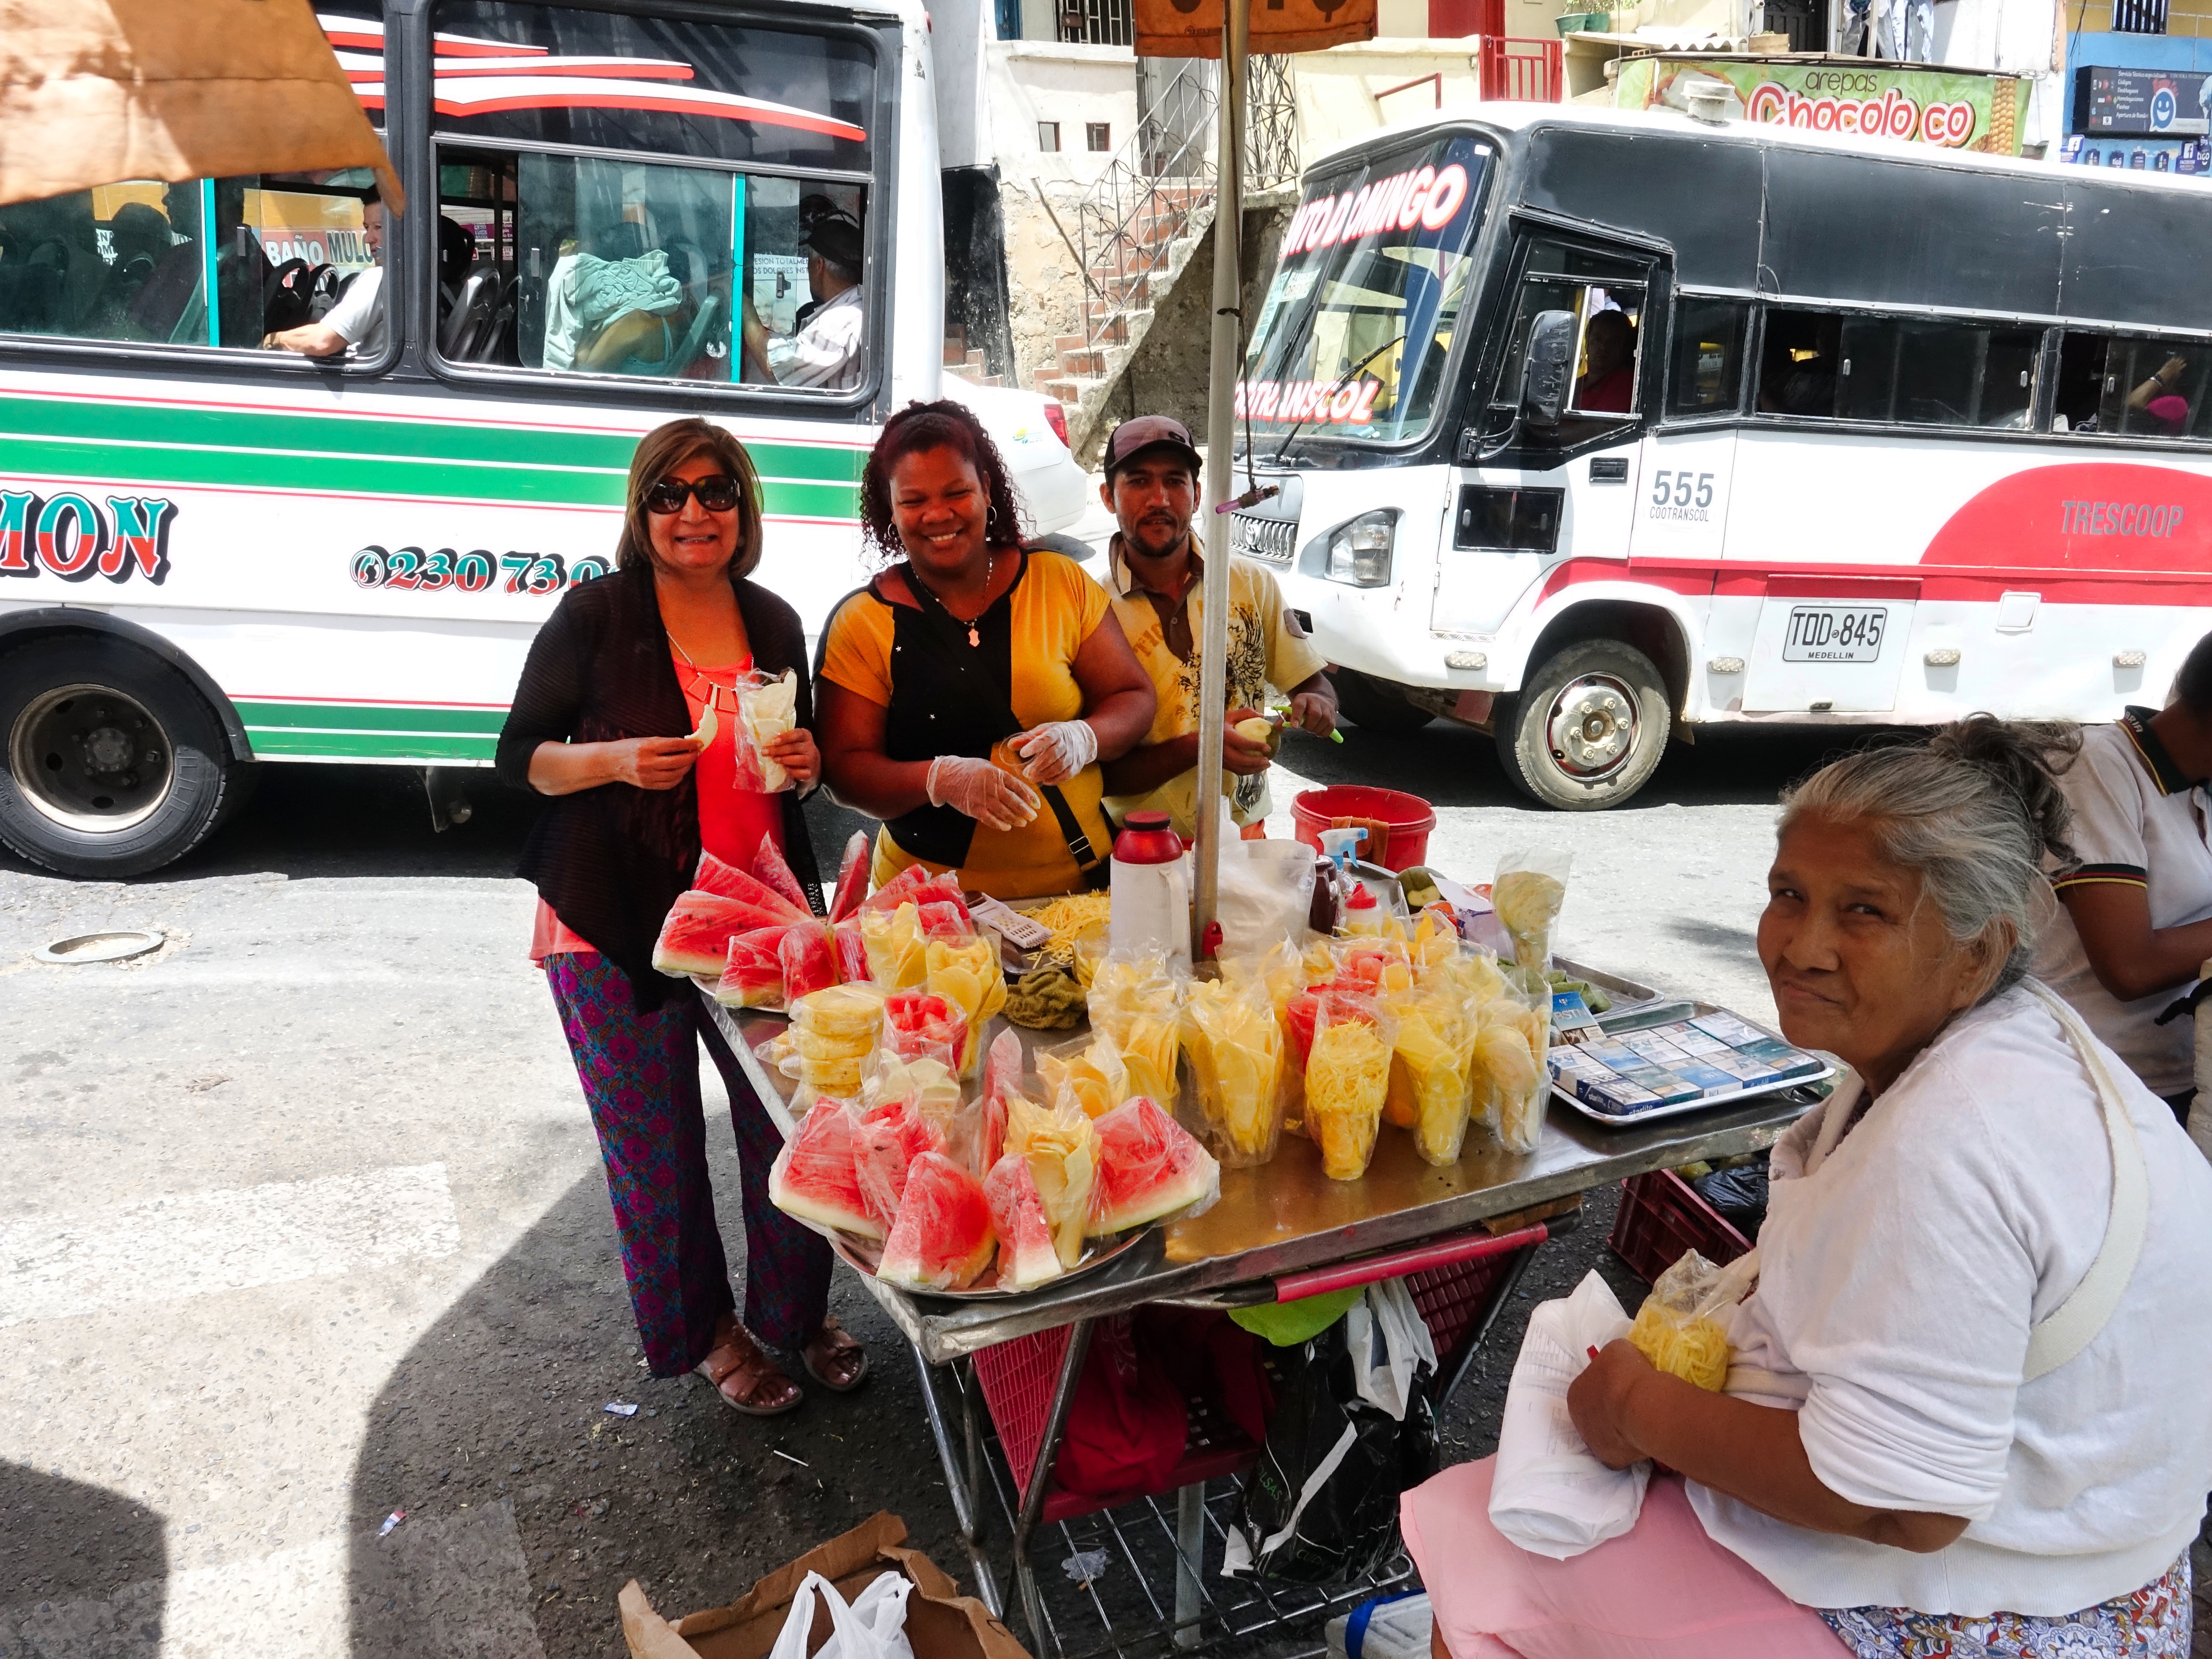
[1267, 647]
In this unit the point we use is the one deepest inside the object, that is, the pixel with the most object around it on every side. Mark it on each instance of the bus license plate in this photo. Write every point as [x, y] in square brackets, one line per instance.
[1834, 633]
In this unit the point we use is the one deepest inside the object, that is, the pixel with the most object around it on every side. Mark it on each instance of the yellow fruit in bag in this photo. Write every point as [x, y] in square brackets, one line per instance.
[895, 947]
[1696, 1350]
[1348, 1077]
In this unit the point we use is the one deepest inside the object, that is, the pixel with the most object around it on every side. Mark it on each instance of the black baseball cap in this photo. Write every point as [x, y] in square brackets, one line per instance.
[1144, 432]
[837, 239]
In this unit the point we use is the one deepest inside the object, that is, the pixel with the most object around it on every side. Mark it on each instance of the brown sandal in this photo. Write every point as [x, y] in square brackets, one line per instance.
[736, 1355]
[833, 1351]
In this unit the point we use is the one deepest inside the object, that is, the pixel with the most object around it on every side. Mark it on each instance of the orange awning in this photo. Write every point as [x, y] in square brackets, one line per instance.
[1191, 29]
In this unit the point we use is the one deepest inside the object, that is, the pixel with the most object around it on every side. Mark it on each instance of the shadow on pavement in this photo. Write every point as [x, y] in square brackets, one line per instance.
[529, 1505]
[85, 1571]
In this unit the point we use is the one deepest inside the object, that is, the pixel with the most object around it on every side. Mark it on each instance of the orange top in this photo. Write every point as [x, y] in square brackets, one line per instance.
[733, 822]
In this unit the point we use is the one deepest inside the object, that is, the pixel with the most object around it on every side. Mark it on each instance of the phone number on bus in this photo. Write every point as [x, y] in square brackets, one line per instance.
[411, 569]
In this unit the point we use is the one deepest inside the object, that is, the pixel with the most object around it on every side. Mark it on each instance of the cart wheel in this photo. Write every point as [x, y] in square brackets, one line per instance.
[1586, 730]
[113, 764]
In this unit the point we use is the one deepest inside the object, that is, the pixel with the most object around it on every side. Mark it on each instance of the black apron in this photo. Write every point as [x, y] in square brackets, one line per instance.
[949, 697]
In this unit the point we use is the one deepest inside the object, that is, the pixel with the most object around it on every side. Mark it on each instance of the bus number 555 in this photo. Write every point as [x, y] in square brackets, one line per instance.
[1681, 490]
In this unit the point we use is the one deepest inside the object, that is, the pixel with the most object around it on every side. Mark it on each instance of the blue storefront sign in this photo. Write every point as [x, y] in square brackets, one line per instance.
[2150, 102]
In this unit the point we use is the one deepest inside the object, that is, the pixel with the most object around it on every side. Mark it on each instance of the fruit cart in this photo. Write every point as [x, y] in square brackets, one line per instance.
[998, 1374]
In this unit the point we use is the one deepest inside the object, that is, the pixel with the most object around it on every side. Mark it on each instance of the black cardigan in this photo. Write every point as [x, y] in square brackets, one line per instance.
[610, 860]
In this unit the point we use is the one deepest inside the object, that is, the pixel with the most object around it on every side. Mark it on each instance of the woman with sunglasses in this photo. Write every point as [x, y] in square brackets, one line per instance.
[622, 670]
[970, 691]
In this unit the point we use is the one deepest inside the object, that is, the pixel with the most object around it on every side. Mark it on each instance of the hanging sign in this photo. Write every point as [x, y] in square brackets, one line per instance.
[1191, 29]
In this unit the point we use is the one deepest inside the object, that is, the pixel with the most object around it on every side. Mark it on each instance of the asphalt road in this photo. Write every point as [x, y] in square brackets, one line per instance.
[303, 1225]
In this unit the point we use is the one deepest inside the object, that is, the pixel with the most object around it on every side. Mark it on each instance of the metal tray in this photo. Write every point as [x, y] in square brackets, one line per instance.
[1666, 1014]
[863, 1255]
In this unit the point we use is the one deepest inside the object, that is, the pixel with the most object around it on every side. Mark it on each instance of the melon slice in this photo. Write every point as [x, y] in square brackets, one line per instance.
[851, 878]
[898, 890]
[809, 963]
[1026, 1255]
[752, 971]
[942, 1238]
[852, 951]
[813, 1178]
[1149, 1166]
[771, 870]
[715, 876]
[886, 1144]
[695, 937]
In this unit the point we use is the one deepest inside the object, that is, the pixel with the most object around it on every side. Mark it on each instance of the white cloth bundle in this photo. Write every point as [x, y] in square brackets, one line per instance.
[1548, 1494]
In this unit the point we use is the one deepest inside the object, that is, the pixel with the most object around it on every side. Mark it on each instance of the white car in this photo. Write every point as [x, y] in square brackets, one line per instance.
[1031, 433]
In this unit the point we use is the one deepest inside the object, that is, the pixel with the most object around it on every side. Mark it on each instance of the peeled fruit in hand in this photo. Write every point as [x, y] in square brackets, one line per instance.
[1260, 729]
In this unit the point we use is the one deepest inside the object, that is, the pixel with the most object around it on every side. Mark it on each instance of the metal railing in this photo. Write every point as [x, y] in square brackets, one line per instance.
[1527, 70]
[1163, 180]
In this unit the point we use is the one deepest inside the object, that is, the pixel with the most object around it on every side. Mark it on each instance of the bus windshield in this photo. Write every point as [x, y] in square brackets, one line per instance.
[1359, 320]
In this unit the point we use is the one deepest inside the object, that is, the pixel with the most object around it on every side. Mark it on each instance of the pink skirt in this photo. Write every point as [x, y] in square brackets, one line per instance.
[1661, 1590]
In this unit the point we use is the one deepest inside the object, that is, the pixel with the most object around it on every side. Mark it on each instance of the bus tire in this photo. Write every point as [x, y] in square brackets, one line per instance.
[1376, 704]
[1586, 730]
[111, 764]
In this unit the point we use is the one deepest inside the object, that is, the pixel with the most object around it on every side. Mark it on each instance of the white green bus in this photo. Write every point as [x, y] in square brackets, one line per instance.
[216, 551]
[1589, 429]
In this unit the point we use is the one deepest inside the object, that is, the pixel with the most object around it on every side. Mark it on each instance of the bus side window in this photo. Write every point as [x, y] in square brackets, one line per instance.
[1898, 371]
[1707, 377]
[1606, 295]
[120, 262]
[2132, 388]
[1797, 363]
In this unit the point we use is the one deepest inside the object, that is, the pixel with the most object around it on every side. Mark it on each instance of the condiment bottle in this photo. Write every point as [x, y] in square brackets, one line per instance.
[1148, 913]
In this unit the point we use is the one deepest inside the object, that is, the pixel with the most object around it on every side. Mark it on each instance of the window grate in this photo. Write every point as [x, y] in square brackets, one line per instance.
[1098, 22]
[2139, 16]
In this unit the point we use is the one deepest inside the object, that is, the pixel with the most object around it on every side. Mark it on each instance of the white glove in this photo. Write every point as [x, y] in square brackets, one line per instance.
[993, 797]
[1056, 751]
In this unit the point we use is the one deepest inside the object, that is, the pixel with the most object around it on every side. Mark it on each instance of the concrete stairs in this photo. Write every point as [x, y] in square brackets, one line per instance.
[1118, 314]
[965, 360]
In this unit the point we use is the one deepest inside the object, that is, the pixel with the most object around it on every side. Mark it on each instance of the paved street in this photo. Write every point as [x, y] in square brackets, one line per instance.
[304, 1226]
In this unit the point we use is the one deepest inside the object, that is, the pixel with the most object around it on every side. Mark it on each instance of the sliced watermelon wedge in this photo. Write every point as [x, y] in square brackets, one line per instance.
[1002, 1076]
[851, 952]
[898, 890]
[771, 870]
[851, 878]
[695, 937]
[813, 1178]
[809, 963]
[1149, 1166]
[714, 876]
[1026, 1255]
[752, 973]
[886, 1144]
[942, 1237]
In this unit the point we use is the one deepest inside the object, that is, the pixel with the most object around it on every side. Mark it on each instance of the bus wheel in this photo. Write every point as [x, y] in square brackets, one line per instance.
[1586, 730]
[1375, 703]
[114, 765]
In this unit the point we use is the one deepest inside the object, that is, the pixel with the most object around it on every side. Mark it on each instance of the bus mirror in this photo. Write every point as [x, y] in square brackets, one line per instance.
[1548, 373]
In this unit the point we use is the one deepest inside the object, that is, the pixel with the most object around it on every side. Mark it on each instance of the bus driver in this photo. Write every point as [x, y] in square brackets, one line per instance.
[824, 350]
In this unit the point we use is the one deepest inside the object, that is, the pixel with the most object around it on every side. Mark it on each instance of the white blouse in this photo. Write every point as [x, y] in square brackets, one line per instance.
[1898, 1284]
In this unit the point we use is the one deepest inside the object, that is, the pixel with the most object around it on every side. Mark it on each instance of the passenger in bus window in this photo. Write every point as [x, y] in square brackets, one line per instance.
[1607, 383]
[355, 326]
[823, 349]
[52, 271]
[1798, 375]
[2135, 922]
[2167, 411]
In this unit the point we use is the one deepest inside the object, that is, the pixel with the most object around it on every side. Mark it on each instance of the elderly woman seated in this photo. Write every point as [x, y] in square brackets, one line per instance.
[1964, 1414]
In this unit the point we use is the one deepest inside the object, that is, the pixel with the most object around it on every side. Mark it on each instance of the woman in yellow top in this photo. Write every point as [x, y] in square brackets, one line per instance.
[966, 647]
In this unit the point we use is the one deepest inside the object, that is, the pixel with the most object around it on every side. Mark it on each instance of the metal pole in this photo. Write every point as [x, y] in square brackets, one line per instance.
[1190, 1556]
[1220, 441]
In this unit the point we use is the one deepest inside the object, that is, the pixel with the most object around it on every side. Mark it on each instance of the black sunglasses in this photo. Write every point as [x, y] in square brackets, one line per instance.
[717, 494]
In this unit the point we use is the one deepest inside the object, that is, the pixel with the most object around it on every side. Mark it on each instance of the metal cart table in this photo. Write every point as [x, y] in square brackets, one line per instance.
[1461, 1237]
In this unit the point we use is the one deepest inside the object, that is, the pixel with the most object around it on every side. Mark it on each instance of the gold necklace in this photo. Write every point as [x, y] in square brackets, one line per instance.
[991, 570]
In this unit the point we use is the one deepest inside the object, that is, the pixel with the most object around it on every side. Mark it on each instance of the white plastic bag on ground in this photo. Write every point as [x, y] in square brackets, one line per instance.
[872, 1627]
[1548, 1494]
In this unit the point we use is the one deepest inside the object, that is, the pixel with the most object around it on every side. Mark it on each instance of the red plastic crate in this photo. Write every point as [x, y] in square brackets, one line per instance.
[1017, 1378]
[1661, 1217]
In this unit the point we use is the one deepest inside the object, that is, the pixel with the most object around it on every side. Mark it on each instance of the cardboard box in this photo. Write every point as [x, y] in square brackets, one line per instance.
[941, 1622]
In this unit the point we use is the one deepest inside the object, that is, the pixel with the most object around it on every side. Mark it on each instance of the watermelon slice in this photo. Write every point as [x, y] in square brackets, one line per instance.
[942, 1238]
[813, 1178]
[752, 973]
[695, 937]
[768, 866]
[714, 876]
[884, 1147]
[851, 878]
[1149, 1166]
[943, 919]
[1026, 1256]
[1002, 1076]
[918, 1023]
[809, 964]
[898, 890]
[851, 952]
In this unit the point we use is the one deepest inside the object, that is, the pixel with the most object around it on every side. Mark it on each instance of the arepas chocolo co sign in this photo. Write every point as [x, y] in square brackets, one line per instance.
[1948, 108]
[1191, 29]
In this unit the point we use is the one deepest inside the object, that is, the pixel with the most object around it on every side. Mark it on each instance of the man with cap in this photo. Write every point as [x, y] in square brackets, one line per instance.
[824, 350]
[1156, 569]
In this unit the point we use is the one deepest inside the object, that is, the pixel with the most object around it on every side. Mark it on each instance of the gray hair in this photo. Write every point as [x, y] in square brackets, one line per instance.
[1976, 810]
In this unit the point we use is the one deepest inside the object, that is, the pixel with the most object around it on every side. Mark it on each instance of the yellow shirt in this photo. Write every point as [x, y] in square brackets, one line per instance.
[1055, 607]
[1265, 647]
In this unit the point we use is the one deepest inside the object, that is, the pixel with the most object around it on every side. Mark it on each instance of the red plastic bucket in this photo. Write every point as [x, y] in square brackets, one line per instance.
[1406, 818]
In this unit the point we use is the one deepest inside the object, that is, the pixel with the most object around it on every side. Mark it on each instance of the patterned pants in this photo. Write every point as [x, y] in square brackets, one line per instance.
[2151, 1623]
[640, 1078]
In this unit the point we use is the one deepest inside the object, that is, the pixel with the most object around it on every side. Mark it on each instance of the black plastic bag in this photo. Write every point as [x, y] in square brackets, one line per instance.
[1325, 1492]
[1740, 1195]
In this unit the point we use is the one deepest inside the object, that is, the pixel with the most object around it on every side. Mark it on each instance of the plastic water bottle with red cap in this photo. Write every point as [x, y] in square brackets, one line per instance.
[1148, 913]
